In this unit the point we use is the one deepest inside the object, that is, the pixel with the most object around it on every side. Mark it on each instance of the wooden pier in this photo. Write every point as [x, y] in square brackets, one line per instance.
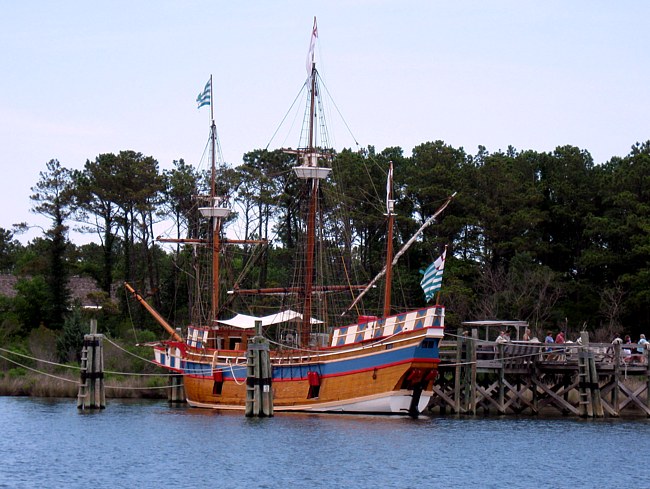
[575, 379]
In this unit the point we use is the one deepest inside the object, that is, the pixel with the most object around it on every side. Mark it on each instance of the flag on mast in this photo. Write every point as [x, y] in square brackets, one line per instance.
[205, 96]
[432, 280]
[312, 44]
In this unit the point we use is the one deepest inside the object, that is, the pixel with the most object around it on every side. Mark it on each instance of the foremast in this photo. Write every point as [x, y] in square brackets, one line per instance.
[217, 211]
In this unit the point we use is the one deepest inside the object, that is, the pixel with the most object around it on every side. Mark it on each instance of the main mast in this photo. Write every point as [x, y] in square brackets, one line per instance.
[309, 170]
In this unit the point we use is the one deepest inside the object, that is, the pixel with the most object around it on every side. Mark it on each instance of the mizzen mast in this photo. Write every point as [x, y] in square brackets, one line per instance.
[390, 208]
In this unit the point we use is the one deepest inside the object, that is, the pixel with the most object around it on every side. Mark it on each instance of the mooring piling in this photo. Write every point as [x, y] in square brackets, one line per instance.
[259, 394]
[92, 393]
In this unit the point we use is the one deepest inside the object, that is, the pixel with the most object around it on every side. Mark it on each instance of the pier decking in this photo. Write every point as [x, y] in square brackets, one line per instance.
[576, 379]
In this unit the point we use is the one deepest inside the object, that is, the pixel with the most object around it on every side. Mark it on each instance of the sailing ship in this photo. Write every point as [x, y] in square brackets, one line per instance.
[377, 364]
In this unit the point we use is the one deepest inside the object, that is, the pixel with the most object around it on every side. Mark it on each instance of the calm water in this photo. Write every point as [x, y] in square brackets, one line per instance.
[50, 444]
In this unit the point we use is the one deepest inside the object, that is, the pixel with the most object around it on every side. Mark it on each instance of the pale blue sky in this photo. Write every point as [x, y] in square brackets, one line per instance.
[84, 78]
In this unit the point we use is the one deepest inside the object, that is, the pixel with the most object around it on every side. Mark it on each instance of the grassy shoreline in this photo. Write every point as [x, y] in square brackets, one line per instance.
[31, 367]
[41, 385]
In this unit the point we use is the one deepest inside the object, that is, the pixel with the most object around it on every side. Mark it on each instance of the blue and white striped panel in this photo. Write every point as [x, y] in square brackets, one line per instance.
[197, 337]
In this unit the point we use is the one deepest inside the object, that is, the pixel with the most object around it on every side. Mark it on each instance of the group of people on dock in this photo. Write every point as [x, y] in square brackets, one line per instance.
[632, 353]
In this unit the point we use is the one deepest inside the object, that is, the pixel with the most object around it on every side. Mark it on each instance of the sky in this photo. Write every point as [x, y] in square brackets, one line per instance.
[84, 78]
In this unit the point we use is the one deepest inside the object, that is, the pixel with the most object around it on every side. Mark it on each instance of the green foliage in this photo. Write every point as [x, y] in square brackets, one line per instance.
[70, 342]
[53, 198]
[10, 249]
[17, 372]
[30, 302]
[548, 237]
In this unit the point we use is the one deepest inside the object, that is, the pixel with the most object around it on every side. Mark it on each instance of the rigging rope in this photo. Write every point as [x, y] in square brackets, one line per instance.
[39, 371]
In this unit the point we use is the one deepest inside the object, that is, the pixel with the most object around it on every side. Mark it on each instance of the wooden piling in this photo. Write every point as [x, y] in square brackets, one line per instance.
[471, 357]
[595, 390]
[502, 376]
[461, 347]
[92, 392]
[259, 394]
[617, 379]
[646, 359]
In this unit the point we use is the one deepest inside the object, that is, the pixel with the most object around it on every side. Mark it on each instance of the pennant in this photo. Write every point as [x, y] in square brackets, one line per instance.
[312, 44]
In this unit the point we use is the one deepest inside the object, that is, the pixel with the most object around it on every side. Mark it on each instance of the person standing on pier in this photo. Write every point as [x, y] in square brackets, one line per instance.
[640, 348]
[549, 340]
[559, 339]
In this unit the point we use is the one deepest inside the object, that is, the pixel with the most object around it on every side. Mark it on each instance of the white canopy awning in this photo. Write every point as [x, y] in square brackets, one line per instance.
[244, 321]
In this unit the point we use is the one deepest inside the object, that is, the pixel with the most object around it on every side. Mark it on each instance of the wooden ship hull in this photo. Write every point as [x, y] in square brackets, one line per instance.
[385, 366]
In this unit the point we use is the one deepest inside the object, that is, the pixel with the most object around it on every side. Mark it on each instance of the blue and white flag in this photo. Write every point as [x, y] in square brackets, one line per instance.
[205, 95]
[432, 280]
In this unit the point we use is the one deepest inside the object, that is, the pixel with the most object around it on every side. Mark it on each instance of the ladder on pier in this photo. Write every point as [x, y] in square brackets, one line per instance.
[590, 402]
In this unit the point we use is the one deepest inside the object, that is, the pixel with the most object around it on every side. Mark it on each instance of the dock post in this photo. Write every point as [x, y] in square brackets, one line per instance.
[617, 379]
[91, 392]
[473, 365]
[259, 395]
[646, 358]
[502, 378]
[466, 377]
[595, 389]
[460, 358]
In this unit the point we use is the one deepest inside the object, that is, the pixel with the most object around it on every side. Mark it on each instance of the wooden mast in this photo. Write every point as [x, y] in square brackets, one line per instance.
[216, 228]
[309, 170]
[311, 221]
[216, 212]
[405, 247]
[390, 207]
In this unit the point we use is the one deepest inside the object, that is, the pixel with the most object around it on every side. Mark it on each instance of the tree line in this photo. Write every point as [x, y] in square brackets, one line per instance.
[547, 237]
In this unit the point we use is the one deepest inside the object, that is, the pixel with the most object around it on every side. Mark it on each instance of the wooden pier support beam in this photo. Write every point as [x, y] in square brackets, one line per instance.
[92, 393]
[595, 391]
[502, 378]
[461, 349]
[617, 379]
[259, 395]
[471, 358]
[646, 359]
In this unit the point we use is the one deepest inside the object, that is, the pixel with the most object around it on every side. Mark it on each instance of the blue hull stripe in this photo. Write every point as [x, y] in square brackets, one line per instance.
[345, 366]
